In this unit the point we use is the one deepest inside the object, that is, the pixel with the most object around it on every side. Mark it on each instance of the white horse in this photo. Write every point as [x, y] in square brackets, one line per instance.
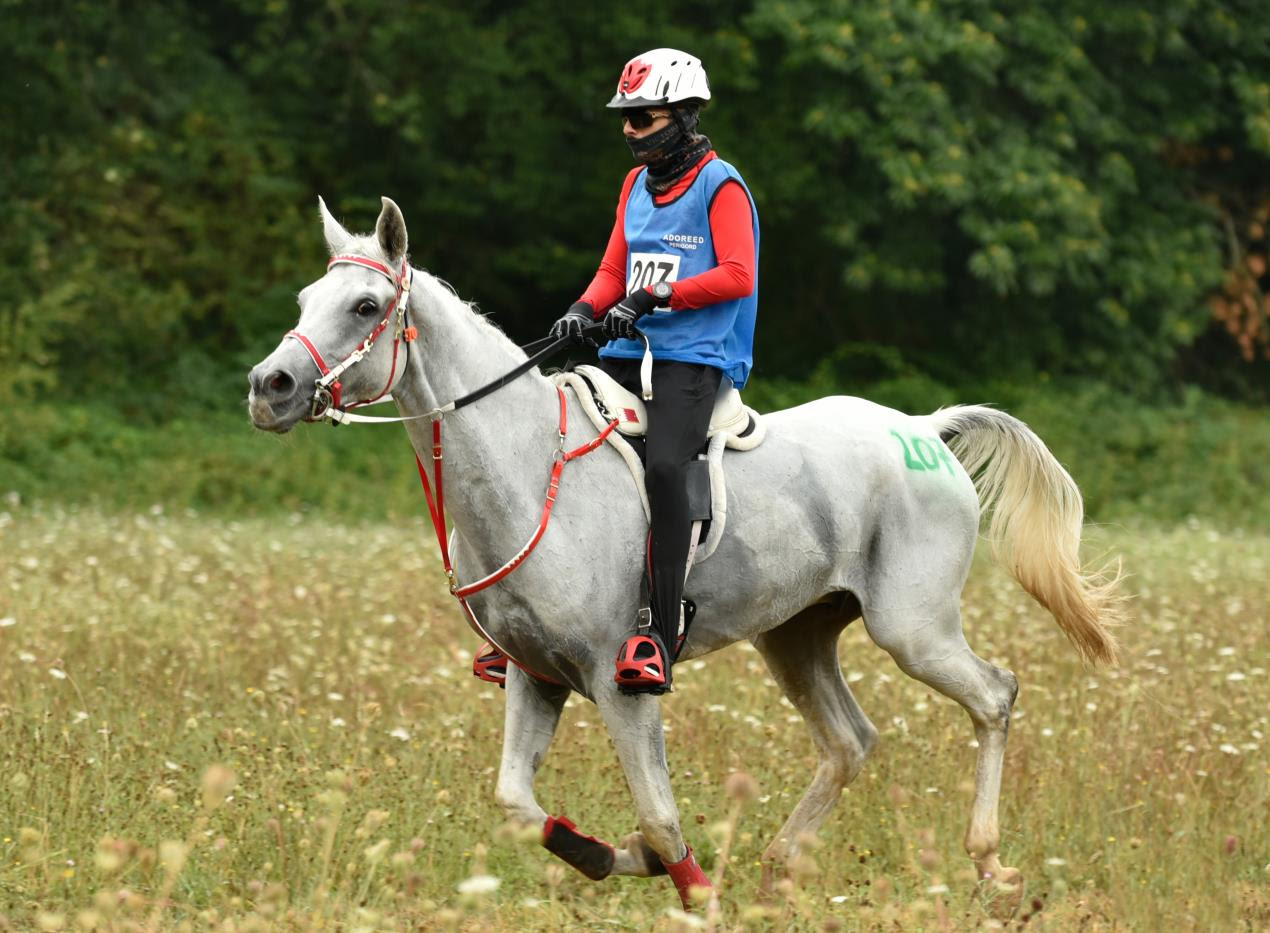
[848, 510]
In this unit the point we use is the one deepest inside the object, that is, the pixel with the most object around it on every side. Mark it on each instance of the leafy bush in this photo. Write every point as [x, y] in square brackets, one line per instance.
[1200, 456]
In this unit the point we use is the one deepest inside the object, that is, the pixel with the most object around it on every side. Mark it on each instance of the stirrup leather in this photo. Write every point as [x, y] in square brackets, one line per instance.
[490, 665]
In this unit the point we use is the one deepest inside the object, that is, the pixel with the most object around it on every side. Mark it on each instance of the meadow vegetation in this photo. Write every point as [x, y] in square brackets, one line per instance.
[234, 694]
[1135, 461]
[269, 723]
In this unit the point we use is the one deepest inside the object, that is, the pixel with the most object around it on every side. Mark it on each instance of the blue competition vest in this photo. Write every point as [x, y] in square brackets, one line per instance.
[673, 242]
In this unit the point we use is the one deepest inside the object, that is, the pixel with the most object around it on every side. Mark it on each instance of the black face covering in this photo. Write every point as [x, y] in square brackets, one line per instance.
[671, 151]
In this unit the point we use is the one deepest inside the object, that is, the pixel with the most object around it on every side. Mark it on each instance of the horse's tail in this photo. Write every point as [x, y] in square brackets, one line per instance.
[1037, 514]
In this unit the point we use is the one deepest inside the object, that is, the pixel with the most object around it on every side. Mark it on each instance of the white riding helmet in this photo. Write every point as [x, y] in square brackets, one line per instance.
[661, 76]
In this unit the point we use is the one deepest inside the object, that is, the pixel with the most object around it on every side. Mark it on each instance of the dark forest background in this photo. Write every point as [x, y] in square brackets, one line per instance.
[1057, 206]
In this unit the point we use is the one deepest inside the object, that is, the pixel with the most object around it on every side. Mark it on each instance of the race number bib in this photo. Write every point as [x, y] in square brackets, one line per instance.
[647, 268]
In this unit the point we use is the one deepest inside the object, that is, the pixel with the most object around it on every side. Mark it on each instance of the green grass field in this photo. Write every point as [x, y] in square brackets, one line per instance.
[270, 724]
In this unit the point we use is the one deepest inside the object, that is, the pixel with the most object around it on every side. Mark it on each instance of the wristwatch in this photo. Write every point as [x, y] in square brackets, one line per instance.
[661, 291]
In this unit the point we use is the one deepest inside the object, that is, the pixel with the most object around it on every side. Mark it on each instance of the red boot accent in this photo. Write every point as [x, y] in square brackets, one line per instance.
[686, 875]
[490, 665]
[640, 665]
[593, 857]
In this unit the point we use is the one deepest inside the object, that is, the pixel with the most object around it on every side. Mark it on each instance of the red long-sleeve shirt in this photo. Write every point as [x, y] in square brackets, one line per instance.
[730, 227]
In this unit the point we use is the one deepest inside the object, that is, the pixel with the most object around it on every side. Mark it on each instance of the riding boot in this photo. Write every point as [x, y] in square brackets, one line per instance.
[678, 419]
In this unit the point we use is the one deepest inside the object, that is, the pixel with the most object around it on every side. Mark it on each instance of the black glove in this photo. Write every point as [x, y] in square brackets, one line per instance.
[620, 321]
[579, 315]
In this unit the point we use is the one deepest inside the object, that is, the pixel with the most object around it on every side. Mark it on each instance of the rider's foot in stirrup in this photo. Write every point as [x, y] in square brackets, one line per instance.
[490, 665]
[641, 665]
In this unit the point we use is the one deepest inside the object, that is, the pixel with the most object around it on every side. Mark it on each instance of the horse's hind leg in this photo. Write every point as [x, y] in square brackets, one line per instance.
[932, 648]
[802, 656]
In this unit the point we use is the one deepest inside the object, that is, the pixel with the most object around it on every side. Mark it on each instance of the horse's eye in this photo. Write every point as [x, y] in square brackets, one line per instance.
[367, 308]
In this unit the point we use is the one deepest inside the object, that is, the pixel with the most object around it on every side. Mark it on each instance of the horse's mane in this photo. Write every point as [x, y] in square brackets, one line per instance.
[435, 288]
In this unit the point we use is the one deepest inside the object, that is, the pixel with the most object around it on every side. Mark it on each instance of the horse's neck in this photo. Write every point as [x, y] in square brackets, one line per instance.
[497, 451]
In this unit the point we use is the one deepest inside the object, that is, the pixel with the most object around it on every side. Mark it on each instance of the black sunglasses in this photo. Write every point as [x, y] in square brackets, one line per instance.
[642, 119]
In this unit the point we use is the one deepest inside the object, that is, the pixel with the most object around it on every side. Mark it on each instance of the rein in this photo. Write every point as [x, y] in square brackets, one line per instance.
[326, 404]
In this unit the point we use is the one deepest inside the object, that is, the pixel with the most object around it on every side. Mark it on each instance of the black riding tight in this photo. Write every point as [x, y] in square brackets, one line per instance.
[678, 419]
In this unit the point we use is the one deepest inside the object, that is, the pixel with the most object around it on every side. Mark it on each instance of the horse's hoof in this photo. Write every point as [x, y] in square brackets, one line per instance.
[639, 857]
[991, 871]
[767, 886]
[776, 886]
[1010, 877]
[1001, 888]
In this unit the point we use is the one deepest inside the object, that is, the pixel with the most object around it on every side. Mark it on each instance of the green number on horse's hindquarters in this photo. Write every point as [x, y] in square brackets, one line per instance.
[931, 452]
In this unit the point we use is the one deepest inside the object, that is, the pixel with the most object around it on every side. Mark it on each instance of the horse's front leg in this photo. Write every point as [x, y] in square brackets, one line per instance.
[533, 712]
[634, 722]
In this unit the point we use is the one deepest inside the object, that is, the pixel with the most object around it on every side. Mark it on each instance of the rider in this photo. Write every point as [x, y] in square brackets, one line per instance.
[681, 268]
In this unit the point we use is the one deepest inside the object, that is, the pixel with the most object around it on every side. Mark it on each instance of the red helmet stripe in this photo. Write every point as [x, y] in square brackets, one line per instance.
[633, 75]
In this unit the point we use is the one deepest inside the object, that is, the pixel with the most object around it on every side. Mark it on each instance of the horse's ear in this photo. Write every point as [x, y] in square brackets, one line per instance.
[337, 238]
[390, 230]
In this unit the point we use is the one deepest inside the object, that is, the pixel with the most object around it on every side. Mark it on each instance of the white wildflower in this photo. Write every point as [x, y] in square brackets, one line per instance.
[685, 921]
[479, 884]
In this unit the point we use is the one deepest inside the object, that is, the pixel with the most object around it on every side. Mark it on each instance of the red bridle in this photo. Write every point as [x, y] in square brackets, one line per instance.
[327, 404]
[328, 391]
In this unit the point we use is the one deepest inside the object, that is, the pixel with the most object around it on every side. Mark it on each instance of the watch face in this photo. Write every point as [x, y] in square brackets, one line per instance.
[662, 290]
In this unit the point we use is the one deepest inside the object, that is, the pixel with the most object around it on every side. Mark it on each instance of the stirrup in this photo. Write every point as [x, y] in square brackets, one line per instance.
[641, 666]
[490, 665]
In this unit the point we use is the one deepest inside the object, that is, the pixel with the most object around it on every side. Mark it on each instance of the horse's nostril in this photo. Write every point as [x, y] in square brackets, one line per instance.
[280, 383]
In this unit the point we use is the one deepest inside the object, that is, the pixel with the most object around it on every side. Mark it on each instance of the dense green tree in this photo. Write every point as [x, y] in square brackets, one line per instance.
[1004, 179]
[967, 189]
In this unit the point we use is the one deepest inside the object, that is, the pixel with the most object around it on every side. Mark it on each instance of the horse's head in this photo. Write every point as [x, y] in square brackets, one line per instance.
[334, 356]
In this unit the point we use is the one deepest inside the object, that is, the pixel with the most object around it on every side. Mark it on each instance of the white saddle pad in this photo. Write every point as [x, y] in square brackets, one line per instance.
[617, 401]
[742, 424]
